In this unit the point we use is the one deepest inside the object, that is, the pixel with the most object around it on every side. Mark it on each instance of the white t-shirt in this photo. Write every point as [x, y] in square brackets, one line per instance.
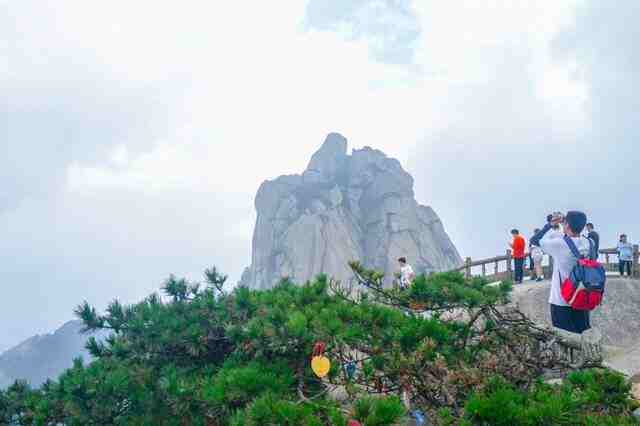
[554, 233]
[406, 273]
[536, 252]
[563, 262]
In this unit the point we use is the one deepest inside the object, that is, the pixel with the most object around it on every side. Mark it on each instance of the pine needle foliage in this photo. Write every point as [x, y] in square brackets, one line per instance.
[201, 355]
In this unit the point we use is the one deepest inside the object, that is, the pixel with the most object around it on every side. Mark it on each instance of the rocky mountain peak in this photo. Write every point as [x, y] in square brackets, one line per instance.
[343, 208]
[328, 160]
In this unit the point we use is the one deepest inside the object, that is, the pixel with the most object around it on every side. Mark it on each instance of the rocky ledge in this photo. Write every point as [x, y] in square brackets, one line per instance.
[617, 320]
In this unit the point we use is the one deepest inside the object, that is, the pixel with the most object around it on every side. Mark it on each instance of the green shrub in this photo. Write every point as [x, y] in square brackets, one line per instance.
[379, 411]
[591, 397]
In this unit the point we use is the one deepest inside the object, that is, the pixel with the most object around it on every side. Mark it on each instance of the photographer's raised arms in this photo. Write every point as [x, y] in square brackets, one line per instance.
[577, 283]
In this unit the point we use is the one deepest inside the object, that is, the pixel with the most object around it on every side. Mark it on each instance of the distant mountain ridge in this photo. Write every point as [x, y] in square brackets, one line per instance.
[342, 208]
[43, 357]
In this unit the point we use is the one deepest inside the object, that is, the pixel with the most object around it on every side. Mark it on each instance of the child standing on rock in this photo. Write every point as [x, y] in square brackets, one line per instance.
[406, 273]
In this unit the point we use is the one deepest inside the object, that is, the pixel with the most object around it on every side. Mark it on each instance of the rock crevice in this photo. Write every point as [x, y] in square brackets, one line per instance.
[342, 208]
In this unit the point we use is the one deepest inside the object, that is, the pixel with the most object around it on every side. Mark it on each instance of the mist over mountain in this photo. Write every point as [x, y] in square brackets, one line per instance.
[43, 356]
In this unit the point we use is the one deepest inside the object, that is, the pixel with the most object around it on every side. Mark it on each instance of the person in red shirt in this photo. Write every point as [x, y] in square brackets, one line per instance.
[518, 253]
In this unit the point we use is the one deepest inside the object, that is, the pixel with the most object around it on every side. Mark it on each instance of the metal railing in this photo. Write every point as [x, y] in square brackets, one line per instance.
[501, 267]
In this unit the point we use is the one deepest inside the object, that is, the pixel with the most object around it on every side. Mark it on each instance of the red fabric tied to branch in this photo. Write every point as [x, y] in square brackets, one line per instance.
[318, 349]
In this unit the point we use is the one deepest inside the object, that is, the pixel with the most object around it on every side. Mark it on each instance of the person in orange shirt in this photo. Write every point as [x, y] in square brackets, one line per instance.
[519, 255]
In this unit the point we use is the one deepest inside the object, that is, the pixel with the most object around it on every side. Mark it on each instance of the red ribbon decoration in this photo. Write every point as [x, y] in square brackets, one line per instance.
[318, 349]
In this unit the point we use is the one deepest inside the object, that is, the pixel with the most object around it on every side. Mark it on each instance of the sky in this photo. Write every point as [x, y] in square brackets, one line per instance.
[134, 135]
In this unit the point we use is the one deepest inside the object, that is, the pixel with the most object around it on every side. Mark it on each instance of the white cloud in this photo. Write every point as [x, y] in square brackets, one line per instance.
[161, 119]
[389, 27]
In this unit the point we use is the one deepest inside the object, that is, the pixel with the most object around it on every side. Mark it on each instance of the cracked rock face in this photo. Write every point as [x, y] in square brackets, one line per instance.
[344, 208]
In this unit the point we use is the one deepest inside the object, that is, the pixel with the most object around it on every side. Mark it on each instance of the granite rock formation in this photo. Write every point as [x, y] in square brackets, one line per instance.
[343, 208]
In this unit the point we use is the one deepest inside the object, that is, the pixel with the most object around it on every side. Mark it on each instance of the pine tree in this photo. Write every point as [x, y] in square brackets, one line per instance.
[199, 355]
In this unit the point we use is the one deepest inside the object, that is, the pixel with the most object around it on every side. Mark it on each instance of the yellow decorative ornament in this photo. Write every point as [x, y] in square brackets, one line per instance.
[320, 365]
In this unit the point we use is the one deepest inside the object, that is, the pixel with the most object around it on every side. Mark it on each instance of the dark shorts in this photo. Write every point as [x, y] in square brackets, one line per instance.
[569, 319]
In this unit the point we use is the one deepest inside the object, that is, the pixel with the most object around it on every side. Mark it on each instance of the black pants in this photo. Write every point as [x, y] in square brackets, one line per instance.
[569, 319]
[622, 265]
[518, 270]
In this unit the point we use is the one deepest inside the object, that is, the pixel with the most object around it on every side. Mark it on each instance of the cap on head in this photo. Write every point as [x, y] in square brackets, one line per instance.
[576, 221]
[514, 232]
[402, 260]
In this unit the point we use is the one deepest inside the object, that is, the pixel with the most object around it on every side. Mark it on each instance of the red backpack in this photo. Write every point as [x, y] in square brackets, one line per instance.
[583, 290]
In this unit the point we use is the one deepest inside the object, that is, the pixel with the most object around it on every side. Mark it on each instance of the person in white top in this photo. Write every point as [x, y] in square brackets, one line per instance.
[555, 232]
[562, 315]
[406, 273]
[537, 256]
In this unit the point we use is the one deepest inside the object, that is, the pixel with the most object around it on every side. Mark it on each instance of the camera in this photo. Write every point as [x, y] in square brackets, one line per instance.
[555, 215]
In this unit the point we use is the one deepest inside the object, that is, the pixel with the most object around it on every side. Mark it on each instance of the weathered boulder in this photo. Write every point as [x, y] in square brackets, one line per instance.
[617, 319]
[342, 208]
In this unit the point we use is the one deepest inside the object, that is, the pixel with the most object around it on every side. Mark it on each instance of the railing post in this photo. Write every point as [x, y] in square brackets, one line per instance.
[636, 257]
[496, 268]
[467, 267]
[606, 262]
[509, 268]
[484, 269]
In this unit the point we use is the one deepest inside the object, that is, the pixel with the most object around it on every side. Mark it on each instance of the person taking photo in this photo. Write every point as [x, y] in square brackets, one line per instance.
[562, 315]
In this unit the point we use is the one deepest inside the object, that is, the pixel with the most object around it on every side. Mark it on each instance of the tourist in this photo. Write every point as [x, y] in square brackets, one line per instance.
[562, 315]
[517, 245]
[406, 273]
[625, 255]
[555, 232]
[537, 255]
[595, 237]
[532, 266]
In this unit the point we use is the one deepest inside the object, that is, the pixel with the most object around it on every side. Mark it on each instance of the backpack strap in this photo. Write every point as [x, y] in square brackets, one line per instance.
[572, 247]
